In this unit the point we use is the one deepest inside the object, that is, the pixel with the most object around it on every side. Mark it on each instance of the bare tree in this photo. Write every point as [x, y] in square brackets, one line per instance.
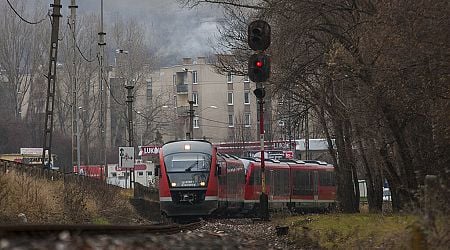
[23, 47]
[374, 74]
[133, 61]
[21, 53]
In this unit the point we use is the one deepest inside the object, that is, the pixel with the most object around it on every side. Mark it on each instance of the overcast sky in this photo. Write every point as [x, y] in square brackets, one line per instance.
[178, 32]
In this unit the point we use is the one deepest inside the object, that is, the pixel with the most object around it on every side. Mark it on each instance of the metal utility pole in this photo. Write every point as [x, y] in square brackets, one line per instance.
[130, 125]
[191, 120]
[102, 44]
[307, 135]
[78, 139]
[75, 133]
[48, 129]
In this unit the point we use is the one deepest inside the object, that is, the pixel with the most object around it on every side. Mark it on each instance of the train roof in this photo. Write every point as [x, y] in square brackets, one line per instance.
[292, 161]
[282, 162]
[316, 162]
[187, 146]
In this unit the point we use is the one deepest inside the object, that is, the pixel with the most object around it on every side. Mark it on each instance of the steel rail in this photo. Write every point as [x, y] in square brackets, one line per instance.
[31, 229]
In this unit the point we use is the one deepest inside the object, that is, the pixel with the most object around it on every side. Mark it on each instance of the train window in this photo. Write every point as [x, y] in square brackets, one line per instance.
[327, 179]
[187, 162]
[302, 183]
[279, 182]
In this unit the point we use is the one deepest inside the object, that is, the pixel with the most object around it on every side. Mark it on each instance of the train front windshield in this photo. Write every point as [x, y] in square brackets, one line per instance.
[187, 162]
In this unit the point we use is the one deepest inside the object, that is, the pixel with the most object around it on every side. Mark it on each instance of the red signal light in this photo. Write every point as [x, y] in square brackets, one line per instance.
[259, 67]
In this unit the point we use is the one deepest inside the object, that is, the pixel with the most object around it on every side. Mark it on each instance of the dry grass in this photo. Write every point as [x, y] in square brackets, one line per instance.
[423, 227]
[351, 231]
[46, 201]
[38, 199]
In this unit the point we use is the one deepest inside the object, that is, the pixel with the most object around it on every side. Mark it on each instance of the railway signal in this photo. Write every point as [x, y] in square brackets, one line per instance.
[258, 38]
[259, 35]
[259, 67]
[259, 93]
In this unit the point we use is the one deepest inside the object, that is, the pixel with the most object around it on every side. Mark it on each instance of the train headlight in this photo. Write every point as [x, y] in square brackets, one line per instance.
[187, 147]
[174, 184]
[202, 183]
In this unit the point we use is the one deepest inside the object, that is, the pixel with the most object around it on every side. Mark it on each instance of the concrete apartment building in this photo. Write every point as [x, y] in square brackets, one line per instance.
[225, 108]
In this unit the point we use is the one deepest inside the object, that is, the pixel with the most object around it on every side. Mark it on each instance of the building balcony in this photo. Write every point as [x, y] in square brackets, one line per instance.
[182, 89]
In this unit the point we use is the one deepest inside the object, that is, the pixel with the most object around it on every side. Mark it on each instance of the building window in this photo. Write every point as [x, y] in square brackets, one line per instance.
[195, 98]
[141, 173]
[246, 78]
[230, 98]
[149, 173]
[149, 89]
[230, 120]
[114, 174]
[229, 77]
[194, 77]
[195, 121]
[247, 118]
[246, 97]
[174, 80]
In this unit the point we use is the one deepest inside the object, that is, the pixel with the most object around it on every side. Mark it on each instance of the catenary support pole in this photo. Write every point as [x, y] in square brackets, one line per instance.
[75, 133]
[130, 125]
[191, 120]
[49, 105]
[101, 80]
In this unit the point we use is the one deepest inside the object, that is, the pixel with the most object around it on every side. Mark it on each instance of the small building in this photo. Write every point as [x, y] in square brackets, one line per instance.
[144, 174]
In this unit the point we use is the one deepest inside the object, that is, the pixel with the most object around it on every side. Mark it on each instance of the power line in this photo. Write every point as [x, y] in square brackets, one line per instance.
[221, 122]
[23, 19]
[211, 126]
[110, 91]
[81, 53]
[78, 47]
[212, 120]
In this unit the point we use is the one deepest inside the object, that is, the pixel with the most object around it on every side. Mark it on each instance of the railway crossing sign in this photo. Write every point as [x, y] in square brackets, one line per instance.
[126, 157]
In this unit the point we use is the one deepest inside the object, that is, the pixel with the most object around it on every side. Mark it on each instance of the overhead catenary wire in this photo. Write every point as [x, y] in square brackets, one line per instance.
[23, 19]
[78, 47]
[110, 92]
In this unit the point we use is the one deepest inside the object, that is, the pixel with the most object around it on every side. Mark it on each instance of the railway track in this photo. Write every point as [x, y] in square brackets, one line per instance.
[32, 230]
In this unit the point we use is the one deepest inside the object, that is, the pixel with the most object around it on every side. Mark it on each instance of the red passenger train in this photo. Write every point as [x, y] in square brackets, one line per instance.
[195, 180]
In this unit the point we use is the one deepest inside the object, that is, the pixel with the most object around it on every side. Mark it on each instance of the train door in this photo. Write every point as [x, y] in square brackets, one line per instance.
[222, 177]
[315, 186]
[232, 185]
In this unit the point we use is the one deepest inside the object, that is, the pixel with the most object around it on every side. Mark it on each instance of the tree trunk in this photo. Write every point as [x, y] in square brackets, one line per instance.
[345, 175]
[374, 182]
[373, 174]
[404, 153]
